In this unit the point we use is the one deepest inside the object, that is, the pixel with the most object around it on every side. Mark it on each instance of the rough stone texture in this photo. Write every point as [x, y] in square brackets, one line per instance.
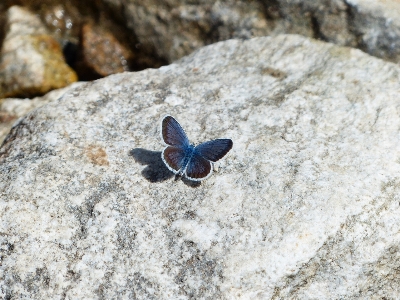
[175, 28]
[13, 108]
[31, 61]
[305, 206]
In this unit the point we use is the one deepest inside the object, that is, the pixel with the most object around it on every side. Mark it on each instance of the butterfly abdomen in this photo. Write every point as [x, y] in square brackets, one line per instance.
[188, 155]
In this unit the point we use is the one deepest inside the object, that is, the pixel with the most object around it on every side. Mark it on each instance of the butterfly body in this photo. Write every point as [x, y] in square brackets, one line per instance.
[188, 154]
[183, 158]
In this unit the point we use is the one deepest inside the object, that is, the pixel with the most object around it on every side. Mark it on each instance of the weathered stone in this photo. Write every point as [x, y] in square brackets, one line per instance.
[158, 32]
[32, 62]
[376, 24]
[175, 28]
[12, 109]
[305, 206]
[101, 54]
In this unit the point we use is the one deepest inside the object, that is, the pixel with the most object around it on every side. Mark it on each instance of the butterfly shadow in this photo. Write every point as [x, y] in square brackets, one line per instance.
[156, 171]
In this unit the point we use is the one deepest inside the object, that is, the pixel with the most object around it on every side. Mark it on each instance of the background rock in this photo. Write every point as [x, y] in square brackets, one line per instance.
[101, 54]
[31, 62]
[154, 33]
[305, 206]
[175, 28]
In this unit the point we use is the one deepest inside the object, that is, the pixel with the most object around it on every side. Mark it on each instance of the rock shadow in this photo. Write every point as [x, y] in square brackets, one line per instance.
[156, 171]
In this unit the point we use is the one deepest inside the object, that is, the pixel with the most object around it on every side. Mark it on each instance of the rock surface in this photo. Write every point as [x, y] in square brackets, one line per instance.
[13, 108]
[305, 206]
[31, 62]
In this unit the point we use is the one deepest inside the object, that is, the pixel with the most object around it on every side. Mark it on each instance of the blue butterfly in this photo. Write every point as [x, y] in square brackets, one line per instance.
[183, 158]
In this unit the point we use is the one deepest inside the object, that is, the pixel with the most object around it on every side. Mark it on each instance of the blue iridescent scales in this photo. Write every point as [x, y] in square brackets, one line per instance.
[183, 158]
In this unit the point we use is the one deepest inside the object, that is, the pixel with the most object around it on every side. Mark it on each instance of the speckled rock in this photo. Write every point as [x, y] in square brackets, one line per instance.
[305, 206]
[31, 60]
[13, 108]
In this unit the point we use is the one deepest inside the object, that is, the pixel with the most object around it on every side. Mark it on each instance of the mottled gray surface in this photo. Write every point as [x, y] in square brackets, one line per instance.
[305, 206]
[12, 109]
[172, 29]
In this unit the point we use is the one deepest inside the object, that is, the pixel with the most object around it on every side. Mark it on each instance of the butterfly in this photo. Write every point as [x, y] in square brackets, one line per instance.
[183, 158]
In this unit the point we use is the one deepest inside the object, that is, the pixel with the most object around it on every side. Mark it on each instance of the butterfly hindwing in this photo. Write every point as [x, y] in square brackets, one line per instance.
[173, 158]
[172, 133]
[214, 150]
[198, 167]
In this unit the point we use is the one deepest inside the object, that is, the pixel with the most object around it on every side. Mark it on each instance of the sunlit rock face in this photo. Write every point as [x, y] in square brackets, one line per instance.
[304, 206]
[11, 109]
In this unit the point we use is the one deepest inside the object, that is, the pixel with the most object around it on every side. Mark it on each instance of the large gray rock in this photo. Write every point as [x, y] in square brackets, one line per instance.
[305, 206]
[12, 109]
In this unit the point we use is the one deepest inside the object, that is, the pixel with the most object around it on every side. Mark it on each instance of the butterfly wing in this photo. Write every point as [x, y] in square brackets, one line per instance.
[173, 157]
[179, 150]
[214, 150]
[198, 168]
[172, 133]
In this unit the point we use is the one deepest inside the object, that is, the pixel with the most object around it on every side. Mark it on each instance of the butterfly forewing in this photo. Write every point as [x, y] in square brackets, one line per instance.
[172, 133]
[214, 150]
[174, 157]
[198, 168]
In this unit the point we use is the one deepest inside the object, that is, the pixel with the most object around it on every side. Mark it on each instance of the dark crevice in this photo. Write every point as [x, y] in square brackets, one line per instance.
[316, 29]
[271, 9]
[351, 15]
